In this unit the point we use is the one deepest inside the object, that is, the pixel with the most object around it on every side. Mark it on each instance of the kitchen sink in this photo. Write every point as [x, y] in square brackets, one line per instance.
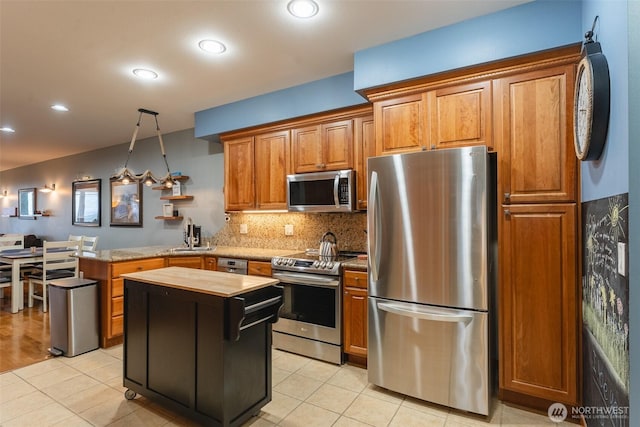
[190, 250]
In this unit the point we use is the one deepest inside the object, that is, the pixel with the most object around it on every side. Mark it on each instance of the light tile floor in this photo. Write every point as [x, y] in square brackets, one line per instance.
[87, 390]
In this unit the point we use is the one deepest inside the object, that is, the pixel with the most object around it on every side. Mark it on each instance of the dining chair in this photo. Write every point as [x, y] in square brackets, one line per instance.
[73, 237]
[89, 243]
[58, 261]
[7, 242]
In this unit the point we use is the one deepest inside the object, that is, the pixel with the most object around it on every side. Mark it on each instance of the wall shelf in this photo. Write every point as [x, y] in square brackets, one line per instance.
[170, 218]
[176, 198]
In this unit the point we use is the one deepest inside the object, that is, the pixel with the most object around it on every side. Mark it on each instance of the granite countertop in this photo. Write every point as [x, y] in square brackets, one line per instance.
[355, 264]
[202, 281]
[256, 254]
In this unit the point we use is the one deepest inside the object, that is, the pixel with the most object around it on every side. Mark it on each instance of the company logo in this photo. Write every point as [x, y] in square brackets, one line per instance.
[557, 412]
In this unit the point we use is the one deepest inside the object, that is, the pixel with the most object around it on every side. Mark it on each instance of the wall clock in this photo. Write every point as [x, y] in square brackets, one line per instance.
[591, 100]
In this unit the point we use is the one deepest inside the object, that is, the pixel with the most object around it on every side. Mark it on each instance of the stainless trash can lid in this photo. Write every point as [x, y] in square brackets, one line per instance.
[72, 282]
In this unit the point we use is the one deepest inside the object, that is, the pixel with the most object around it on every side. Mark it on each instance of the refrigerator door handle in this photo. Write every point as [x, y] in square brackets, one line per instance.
[424, 314]
[374, 227]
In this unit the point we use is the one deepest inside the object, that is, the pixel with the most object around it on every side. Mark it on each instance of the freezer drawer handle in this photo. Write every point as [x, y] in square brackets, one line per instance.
[425, 314]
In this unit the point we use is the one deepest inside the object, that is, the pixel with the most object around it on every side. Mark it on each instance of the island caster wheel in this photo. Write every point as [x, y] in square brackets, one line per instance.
[130, 394]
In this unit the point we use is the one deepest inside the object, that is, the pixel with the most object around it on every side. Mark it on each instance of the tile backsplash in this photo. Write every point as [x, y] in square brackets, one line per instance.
[267, 230]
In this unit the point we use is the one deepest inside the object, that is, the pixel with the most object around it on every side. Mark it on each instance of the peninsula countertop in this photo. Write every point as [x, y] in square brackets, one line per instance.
[127, 254]
[203, 281]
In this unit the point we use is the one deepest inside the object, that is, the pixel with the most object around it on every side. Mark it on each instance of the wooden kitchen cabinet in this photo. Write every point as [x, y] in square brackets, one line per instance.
[111, 285]
[322, 147]
[272, 164]
[537, 163]
[460, 115]
[239, 187]
[400, 124]
[539, 316]
[210, 263]
[184, 261]
[364, 147]
[259, 268]
[539, 304]
[258, 160]
[355, 315]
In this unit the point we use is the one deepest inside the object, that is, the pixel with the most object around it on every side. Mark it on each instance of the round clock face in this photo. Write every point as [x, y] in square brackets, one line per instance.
[583, 108]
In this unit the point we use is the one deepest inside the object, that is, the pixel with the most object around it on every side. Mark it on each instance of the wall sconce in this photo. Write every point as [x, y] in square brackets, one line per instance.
[47, 189]
[125, 175]
[4, 193]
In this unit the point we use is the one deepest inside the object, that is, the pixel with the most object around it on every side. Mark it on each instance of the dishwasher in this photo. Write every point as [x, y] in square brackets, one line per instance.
[230, 265]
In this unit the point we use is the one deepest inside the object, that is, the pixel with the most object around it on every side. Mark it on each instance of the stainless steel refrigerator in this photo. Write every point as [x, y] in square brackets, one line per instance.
[431, 237]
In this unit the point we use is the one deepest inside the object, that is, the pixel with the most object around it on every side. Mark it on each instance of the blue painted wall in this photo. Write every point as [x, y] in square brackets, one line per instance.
[531, 27]
[610, 174]
[315, 97]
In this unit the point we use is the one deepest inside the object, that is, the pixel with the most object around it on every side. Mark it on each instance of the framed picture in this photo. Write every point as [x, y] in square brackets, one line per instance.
[86, 203]
[27, 203]
[126, 204]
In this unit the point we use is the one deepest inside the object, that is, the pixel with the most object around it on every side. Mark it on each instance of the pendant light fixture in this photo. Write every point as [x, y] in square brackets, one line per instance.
[125, 175]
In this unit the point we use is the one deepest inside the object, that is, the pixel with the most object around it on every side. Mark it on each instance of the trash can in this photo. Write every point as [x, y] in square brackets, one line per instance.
[73, 316]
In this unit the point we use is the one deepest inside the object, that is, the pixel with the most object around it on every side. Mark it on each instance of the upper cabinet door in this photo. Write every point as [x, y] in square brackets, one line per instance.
[239, 190]
[272, 160]
[537, 160]
[400, 124]
[306, 146]
[337, 145]
[364, 147]
[323, 147]
[460, 115]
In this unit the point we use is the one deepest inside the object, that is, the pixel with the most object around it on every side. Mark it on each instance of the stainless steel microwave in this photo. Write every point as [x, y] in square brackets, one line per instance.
[331, 191]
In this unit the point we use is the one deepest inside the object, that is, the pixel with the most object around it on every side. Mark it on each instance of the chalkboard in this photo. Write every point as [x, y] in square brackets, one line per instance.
[605, 304]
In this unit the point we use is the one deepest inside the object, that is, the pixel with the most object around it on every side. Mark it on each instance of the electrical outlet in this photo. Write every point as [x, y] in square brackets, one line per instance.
[622, 258]
[288, 230]
[244, 229]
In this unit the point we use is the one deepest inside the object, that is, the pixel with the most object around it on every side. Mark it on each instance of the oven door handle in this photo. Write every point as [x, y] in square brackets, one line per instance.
[306, 279]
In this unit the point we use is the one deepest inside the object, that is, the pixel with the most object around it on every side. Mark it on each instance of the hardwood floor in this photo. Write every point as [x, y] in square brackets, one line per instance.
[24, 336]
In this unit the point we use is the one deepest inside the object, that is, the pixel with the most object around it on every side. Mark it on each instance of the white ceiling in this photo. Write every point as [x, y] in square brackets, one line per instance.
[80, 53]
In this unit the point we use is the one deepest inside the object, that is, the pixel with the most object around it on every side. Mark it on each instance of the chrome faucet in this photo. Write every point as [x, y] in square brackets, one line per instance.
[189, 232]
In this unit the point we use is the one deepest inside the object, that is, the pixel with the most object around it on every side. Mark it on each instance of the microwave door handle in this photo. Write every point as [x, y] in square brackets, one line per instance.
[374, 227]
[336, 185]
[424, 313]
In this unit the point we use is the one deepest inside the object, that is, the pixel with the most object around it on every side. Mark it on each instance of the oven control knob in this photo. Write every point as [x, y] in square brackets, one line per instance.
[330, 265]
[275, 261]
[278, 261]
[316, 264]
[291, 262]
[323, 264]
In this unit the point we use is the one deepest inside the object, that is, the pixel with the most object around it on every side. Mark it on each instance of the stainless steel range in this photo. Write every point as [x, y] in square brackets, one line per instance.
[311, 318]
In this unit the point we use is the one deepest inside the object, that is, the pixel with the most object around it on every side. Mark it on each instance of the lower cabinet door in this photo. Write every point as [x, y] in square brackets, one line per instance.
[539, 302]
[355, 321]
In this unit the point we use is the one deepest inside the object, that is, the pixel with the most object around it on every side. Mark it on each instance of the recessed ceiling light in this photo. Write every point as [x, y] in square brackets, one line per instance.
[59, 107]
[303, 8]
[212, 46]
[7, 129]
[144, 73]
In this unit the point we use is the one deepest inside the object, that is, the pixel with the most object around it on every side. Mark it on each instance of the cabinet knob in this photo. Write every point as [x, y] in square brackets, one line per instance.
[507, 212]
[321, 165]
[507, 197]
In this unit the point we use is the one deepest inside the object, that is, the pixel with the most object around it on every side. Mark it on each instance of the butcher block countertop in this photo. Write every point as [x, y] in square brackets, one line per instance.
[204, 281]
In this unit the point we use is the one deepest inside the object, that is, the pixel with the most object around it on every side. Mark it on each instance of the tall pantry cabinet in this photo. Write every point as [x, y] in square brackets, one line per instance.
[539, 299]
[521, 108]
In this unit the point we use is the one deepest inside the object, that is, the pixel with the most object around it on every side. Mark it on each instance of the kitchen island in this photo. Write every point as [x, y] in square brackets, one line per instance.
[199, 341]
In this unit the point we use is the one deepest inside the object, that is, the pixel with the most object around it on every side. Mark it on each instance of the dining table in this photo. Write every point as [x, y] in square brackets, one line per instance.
[17, 258]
